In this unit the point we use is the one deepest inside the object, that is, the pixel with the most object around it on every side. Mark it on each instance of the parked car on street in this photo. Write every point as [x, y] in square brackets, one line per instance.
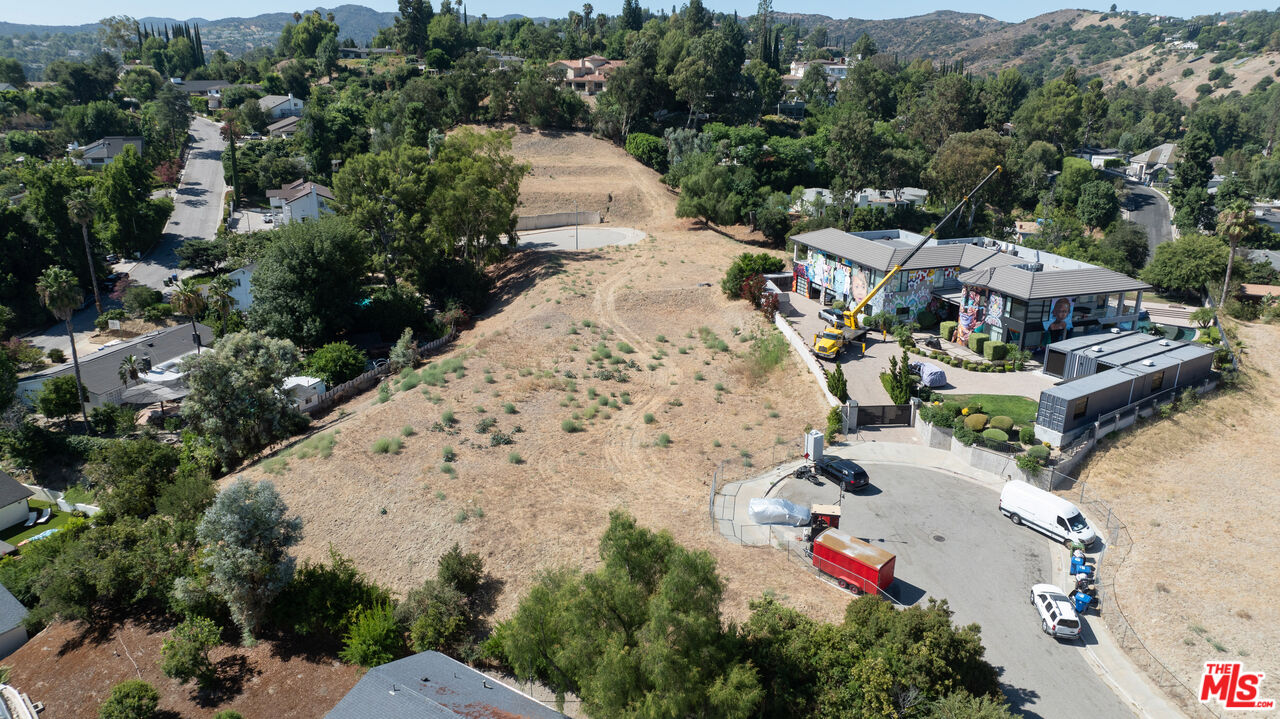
[845, 473]
[1058, 616]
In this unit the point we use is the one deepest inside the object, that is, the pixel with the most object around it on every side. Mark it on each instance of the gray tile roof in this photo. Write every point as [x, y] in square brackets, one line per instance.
[881, 250]
[100, 371]
[1046, 284]
[200, 87]
[111, 146]
[431, 684]
[11, 490]
[11, 611]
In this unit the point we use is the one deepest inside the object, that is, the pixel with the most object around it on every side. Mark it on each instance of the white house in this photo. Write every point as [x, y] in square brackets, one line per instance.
[12, 635]
[305, 391]
[300, 200]
[1152, 164]
[278, 106]
[903, 197]
[100, 153]
[242, 286]
[13, 501]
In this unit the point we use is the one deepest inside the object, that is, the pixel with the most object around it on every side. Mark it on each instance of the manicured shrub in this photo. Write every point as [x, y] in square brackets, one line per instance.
[995, 435]
[1027, 435]
[976, 422]
[995, 351]
[1001, 422]
[926, 319]
[965, 436]
[978, 340]
[947, 329]
[1039, 451]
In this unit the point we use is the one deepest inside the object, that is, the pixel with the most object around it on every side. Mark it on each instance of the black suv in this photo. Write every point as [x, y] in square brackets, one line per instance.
[846, 473]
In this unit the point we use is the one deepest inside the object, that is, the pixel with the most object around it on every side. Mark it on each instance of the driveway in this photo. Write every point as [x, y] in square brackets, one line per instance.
[1148, 208]
[862, 371]
[952, 543]
[197, 211]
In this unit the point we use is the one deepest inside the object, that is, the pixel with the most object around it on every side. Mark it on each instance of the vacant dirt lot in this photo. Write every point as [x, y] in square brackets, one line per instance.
[1200, 493]
[293, 684]
[546, 504]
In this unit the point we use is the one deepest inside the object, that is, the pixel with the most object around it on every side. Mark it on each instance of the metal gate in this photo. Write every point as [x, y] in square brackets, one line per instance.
[881, 415]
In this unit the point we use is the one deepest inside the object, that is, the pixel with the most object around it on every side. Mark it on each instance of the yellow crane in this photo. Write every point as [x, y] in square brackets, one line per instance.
[851, 314]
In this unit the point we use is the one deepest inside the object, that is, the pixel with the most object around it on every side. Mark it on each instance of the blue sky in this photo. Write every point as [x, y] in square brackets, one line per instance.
[71, 12]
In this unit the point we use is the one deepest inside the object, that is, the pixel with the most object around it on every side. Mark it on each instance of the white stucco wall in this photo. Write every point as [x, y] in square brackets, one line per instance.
[15, 513]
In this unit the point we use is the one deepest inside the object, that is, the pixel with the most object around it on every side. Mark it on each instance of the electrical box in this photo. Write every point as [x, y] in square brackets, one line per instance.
[813, 445]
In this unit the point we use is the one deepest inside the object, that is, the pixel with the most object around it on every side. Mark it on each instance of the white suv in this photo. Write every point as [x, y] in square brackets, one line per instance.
[1058, 617]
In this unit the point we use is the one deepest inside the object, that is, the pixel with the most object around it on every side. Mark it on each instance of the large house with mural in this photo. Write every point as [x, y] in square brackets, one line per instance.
[1017, 295]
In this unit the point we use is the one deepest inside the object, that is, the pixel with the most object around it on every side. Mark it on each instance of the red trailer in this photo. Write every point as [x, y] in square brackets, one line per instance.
[853, 562]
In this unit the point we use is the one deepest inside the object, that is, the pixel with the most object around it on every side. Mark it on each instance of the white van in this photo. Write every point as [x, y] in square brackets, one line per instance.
[1045, 513]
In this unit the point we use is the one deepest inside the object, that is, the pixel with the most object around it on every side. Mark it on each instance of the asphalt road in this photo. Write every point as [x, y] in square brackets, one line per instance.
[1149, 209]
[952, 543]
[196, 213]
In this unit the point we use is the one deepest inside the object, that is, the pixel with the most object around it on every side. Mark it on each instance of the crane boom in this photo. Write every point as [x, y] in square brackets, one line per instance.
[875, 290]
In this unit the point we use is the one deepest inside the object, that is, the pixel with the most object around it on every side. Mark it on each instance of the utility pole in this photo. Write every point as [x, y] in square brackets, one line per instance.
[575, 224]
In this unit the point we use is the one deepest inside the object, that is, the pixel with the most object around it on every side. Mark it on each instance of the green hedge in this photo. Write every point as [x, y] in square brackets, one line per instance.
[995, 351]
[1027, 435]
[976, 422]
[947, 330]
[995, 435]
[1038, 451]
[1001, 422]
[977, 340]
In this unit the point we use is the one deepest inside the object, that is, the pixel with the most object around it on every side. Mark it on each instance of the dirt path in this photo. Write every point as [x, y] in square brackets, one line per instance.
[1199, 493]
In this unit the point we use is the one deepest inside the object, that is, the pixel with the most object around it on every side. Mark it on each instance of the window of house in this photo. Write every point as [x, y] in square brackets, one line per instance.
[900, 284]
[1082, 406]
[939, 278]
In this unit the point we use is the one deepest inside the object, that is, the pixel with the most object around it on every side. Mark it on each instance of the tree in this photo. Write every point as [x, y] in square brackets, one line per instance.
[712, 193]
[188, 300]
[864, 48]
[131, 475]
[186, 655]
[962, 161]
[853, 152]
[121, 195]
[1187, 264]
[1235, 222]
[336, 363]
[768, 85]
[1188, 192]
[475, 185]
[57, 398]
[1203, 316]
[60, 294]
[244, 537]
[219, 297]
[642, 630]
[1052, 114]
[8, 382]
[80, 208]
[11, 72]
[814, 87]
[632, 18]
[385, 195]
[1098, 205]
[172, 112]
[235, 400]
[1002, 95]
[403, 353]
[744, 267]
[837, 385]
[327, 55]
[130, 699]
[899, 381]
[411, 25]
[308, 281]
[374, 638]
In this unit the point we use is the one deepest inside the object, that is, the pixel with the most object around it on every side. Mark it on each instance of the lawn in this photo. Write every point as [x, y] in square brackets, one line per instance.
[1020, 409]
[18, 533]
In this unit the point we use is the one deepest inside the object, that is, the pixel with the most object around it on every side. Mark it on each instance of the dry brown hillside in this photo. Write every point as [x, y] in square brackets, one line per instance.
[648, 304]
[1169, 66]
[1200, 493]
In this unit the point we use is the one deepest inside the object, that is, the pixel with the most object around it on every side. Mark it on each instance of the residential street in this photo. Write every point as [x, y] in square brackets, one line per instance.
[196, 213]
[1148, 208]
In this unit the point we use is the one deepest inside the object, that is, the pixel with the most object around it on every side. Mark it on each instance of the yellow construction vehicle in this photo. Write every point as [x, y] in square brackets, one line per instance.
[852, 313]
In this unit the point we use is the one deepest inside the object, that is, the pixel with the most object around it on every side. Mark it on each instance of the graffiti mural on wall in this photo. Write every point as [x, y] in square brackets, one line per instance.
[919, 293]
[973, 313]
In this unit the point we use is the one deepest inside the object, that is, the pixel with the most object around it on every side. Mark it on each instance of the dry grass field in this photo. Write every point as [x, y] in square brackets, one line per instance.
[656, 310]
[1200, 493]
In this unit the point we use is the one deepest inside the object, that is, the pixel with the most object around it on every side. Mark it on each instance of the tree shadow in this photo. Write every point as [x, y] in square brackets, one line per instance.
[316, 649]
[231, 673]
[527, 267]
[708, 227]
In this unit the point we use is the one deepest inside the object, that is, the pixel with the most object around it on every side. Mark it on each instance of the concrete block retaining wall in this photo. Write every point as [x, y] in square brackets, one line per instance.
[557, 219]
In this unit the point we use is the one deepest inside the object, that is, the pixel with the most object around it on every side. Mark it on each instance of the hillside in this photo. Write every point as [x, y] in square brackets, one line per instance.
[908, 37]
[1161, 65]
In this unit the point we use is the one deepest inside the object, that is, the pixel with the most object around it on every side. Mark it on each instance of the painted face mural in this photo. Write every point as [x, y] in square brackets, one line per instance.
[973, 311]
[1059, 325]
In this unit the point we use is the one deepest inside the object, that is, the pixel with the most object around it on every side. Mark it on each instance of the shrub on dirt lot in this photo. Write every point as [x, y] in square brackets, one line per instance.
[139, 297]
[132, 699]
[947, 329]
[1039, 451]
[374, 638]
[976, 422]
[748, 265]
[1001, 422]
[116, 314]
[995, 435]
[978, 340]
[648, 149]
[570, 426]
[995, 351]
[1027, 435]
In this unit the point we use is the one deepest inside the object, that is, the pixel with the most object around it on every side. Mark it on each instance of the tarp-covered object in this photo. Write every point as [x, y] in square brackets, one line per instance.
[931, 375]
[765, 510]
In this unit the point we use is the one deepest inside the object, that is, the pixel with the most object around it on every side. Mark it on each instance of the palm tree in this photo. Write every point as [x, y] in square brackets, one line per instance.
[1235, 222]
[187, 300]
[131, 368]
[61, 294]
[221, 300]
[80, 208]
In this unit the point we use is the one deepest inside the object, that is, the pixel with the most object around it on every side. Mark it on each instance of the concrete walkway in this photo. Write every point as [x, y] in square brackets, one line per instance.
[1107, 659]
